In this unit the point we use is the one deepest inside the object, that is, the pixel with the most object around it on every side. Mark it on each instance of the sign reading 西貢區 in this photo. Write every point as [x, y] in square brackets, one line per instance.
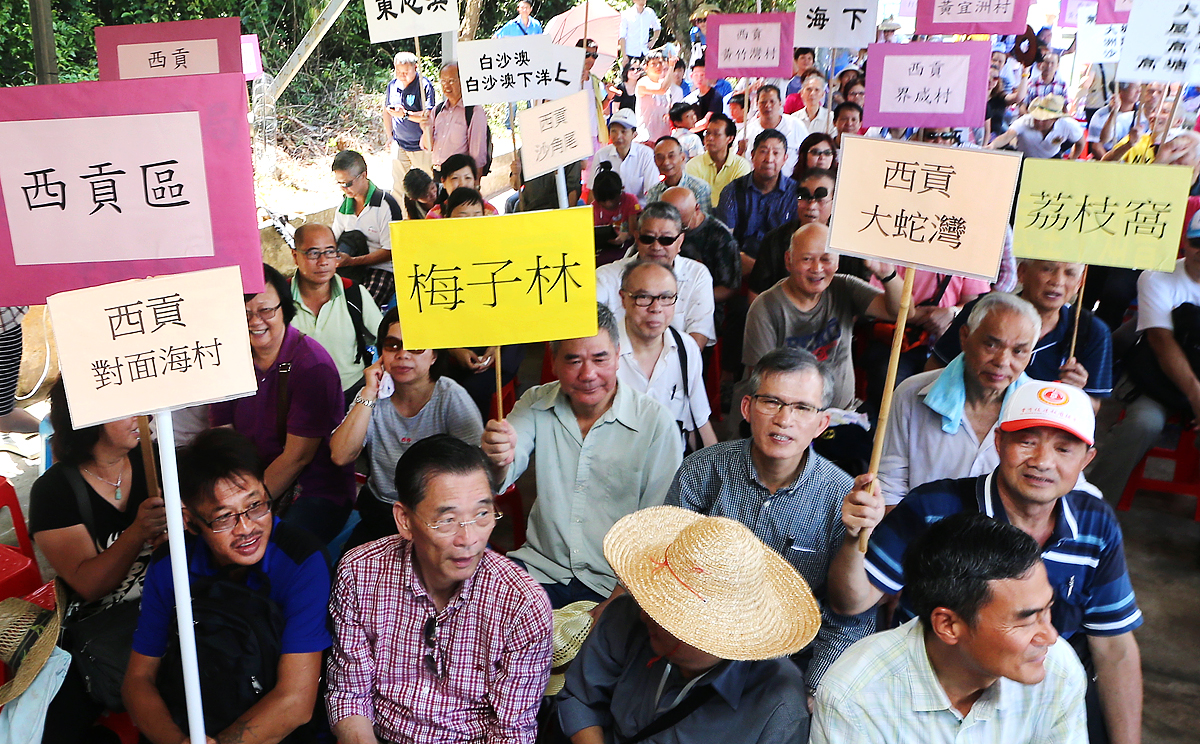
[555, 134]
[927, 84]
[388, 20]
[505, 279]
[1098, 42]
[920, 204]
[145, 345]
[517, 68]
[750, 44]
[1162, 43]
[170, 49]
[835, 23]
[1101, 213]
[971, 16]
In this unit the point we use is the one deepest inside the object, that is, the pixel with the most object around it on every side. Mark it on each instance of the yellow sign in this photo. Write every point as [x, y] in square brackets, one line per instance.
[1110, 214]
[146, 345]
[507, 279]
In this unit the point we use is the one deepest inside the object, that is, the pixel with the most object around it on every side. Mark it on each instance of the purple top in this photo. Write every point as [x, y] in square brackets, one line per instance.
[316, 408]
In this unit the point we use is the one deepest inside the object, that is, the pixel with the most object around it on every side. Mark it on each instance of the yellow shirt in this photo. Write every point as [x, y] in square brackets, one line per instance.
[702, 167]
[1142, 152]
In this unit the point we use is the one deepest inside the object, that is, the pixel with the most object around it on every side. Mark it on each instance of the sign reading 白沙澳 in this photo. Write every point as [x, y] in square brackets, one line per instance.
[920, 205]
[506, 279]
[518, 68]
[1101, 213]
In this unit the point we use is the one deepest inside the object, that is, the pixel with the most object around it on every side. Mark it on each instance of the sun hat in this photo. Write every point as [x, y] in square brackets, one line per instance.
[28, 634]
[1047, 107]
[625, 117]
[1050, 404]
[572, 624]
[712, 584]
[889, 25]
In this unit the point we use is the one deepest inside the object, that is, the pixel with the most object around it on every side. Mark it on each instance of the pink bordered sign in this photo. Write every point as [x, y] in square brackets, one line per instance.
[173, 49]
[750, 44]
[971, 17]
[927, 84]
[251, 57]
[106, 181]
[1113, 11]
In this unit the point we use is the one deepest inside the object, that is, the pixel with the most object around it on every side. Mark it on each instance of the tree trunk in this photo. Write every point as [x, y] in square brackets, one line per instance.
[470, 21]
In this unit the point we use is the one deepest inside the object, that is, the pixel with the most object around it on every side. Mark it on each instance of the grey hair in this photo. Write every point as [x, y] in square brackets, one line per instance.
[447, 65]
[638, 263]
[787, 360]
[660, 210]
[1004, 301]
[404, 58]
[605, 321]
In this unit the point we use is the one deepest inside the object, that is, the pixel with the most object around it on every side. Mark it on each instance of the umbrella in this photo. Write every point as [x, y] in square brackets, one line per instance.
[603, 24]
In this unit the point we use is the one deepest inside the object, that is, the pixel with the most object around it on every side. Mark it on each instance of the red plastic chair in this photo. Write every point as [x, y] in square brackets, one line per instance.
[712, 381]
[19, 574]
[1186, 480]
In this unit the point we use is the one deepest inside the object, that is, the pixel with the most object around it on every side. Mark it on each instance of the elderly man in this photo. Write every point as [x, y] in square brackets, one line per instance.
[658, 360]
[981, 660]
[369, 210]
[813, 205]
[669, 158]
[698, 658]
[1112, 123]
[771, 117]
[718, 165]
[437, 638]
[406, 105]
[761, 200]
[633, 162]
[1044, 440]
[603, 451]
[707, 240]
[814, 117]
[1047, 131]
[331, 309]
[659, 237]
[456, 128]
[780, 488]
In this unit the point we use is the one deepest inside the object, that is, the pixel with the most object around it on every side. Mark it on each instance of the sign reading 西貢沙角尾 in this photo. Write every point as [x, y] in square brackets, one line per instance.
[1162, 43]
[971, 16]
[145, 345]
[388, 20]
[927, 84]
[1101, 213]
[835, 23]
[1098, 42]
[506, 279]
[920, 204]
[555, 134]
[517, 68]
[750, 44]
[170, 49]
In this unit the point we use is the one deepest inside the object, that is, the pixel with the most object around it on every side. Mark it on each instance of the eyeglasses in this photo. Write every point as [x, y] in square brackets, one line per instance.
[434, 661]
[819, 194]
[348, 184]
[591, 55]
[662, 239]
[227, 522]
[264, 314]
[447, 527]
[395, 347]
[821, 153]
[645, 300]
[769, 406]
[315, 254]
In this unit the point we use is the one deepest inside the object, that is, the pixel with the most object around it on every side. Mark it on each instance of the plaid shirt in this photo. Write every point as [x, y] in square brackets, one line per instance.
[494, 638]
[1039, 88]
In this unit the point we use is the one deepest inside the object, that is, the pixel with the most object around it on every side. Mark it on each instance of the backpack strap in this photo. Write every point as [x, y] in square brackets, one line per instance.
[942, 285]
[674, 715]
[1082, 335]
[354, 306]
[82, 502]
[282, 402]
[683, 365]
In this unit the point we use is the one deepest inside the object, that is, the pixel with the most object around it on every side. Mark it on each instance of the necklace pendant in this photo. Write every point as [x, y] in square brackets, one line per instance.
[117, 495]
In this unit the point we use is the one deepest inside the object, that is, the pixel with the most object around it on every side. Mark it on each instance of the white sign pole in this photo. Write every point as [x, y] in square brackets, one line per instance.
[560, 181]
[179, 575]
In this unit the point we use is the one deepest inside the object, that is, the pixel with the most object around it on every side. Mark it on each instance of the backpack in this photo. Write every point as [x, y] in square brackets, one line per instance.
[354, 306]
[486, 166]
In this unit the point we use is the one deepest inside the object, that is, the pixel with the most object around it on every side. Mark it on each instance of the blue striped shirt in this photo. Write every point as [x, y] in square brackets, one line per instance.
[1084, 556]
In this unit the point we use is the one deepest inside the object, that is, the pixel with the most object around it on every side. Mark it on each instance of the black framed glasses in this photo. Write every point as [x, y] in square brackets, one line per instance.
[264, 314]
[770, 406]
[227, 522]
[395, 346]
[435, 663]
[646, 300]
[662, 239]
[821, 153]
[316, 254]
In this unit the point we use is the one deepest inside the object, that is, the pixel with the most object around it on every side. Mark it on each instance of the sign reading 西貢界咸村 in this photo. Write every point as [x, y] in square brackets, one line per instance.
[518, 68]
[927, 84]
[145, 345]
[505, 279]
[1101, 213]
[921, 205]
[388, 20]
[846, 24]
[1162, 43]
[555, 134]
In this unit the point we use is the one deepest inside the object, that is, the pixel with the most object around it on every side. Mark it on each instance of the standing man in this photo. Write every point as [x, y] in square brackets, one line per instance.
[633, 162]
[407, 102]
[718, 165]
[367, 209]
[456, 128]
[523, 25]
[638, 31]
[1111, 123]
[760, 201]
[771, 117]
[1047, 83]
[670, 160]
[708, 99]
[601, 95]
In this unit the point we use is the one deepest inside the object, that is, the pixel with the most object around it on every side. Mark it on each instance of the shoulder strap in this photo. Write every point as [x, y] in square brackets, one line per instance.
[79, 488]
[942, 285]
[674, 715]
[282, 401]
[354, 306]
[470, 113]
[683, 364]
[743, 222]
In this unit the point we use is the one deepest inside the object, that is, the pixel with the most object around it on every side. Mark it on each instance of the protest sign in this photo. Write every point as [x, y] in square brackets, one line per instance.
[835, 23]
[171, 49]
[555, 134]
[1101, 213]
[251, 57]
[506, 279]
[908, 9]
[517, 68]
[971, 16]
[928, 84]
[1162, 43]
[1070, 11]
[750, 44]
[124, 179]
[920, 204]
[1098, 42]
[1113, 11]
[388, 20]
[142, 345]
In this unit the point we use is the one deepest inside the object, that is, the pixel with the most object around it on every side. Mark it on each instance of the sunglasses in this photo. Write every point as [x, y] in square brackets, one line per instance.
[935, 136]
[662, 239]
[591, 55]
[819, 194]
[395, 347]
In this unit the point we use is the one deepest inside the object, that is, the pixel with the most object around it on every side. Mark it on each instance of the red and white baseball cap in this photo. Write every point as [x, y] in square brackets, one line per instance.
[1050, 404]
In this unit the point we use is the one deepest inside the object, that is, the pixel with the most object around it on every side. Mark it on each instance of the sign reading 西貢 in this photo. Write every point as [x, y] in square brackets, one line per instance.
[750, 44]
[1101, 213]
[971, 16]
[920, 205]
[518, 68]
[555, 134]
[1113, 11]
[1162, 43]
[145, 345]
[388, 20]
[171, 49]
[927, 84]
[835, 23]
[506, 279]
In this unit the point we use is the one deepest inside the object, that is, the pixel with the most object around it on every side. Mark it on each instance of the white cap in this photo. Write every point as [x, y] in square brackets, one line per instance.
[625, 117]
[1050, 404]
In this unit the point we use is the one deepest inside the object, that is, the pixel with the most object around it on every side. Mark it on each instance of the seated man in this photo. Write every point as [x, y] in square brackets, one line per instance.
[225, 501]
[669, 159]
[367, 209]
[632, 161]
[780, 488]
[696, 658]
[437, 638]
[980, 660]
[719, 165]
[760, 201]
[603, 451]
[659, 237]
[1044, 441]
[331, 309]
[707, 240]
[814, 203]
[815, 308]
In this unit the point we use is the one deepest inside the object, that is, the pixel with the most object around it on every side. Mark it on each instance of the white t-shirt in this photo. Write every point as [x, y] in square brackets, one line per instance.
[1120, 127]
[1031, 142]
[636, 28]
[790, 127]
[1159, 293]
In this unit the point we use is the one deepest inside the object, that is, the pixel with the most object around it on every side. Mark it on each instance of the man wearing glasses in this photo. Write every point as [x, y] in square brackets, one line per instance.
[774, 483]
[367, 209]
[659, 238]
[437, 638]
[227, 505]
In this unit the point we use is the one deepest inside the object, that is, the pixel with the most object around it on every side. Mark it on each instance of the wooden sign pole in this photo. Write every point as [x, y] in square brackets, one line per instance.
[499, 388]
[148, 454]
[1078, 310]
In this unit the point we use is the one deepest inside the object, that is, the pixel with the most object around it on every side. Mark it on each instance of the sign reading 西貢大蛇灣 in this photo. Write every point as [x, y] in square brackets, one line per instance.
[171, 49]
[388, 20]
[927, 84]
[506, 279]
[555, 134]
[750, 44]
[517, 68]
[1101, 213]
[971, 16]
[921, 205]
[1162, 43]
[145, 345]
[835, 23]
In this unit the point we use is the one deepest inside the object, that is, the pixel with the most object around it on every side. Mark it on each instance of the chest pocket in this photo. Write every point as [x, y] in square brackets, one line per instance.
[1071, 597]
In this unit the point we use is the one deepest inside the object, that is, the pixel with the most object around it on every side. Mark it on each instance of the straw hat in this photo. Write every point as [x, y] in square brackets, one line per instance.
[889, 25]
[28, 633]
[571, 627]
[712, 584]
[1048, 107]
[702, 11]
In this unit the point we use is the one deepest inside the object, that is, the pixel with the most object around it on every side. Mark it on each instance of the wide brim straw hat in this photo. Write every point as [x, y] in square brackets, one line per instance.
[28, 634]
[712, 584]
[1048, 107]
[572, 624]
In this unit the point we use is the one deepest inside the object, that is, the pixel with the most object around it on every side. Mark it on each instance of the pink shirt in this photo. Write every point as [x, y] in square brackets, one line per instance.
[959, 291]
[628, 207]
[451, 135]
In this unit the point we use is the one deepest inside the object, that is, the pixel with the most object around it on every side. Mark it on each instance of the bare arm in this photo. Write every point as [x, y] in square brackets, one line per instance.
[1002, 140]
[1175, 364]
[355, 730]
[700, 339]
[708, 436]
[297, 453]
[346, 442]
[589, 735]
[1119, 679]
[887, 305]
[287, 706]
[850, 591]
[378, 256]
[144, 703]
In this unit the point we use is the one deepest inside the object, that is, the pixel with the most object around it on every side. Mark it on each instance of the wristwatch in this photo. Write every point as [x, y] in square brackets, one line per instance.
[366, 403]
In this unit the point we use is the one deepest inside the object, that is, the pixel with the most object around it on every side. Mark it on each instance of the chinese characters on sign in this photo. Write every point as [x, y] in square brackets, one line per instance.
[1162, 43]
[1101, 213]
[388, 20]
[928, 85]
[1070, 12]
[497, 280]
[918, 178]
[168, 59]
[835, 23]
[971, 16]
[517, 68]
[149, 344]
[742, 44]
[555, 134]
[1098, 42]
[171, 49]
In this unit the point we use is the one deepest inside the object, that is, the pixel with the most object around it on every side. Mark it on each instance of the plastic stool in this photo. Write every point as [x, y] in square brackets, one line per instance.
[1186, 480]
[19, 574]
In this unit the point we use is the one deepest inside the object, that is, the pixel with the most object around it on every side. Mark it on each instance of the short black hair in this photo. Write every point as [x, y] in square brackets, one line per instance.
[607, 184]
[440, 454]
[768, 89]
[436, 370]
[730, 124]
[803, 50]
[70, 446]
[847, 106]
[738, 99]
[768, 134]
[457, 162]
[668, 138]
[951, 564]
[347, 160]
[678, 110]
[461, 196]
[699, 62]
[277, 280]
[416, 183]
[680, 65]
[216, 455]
